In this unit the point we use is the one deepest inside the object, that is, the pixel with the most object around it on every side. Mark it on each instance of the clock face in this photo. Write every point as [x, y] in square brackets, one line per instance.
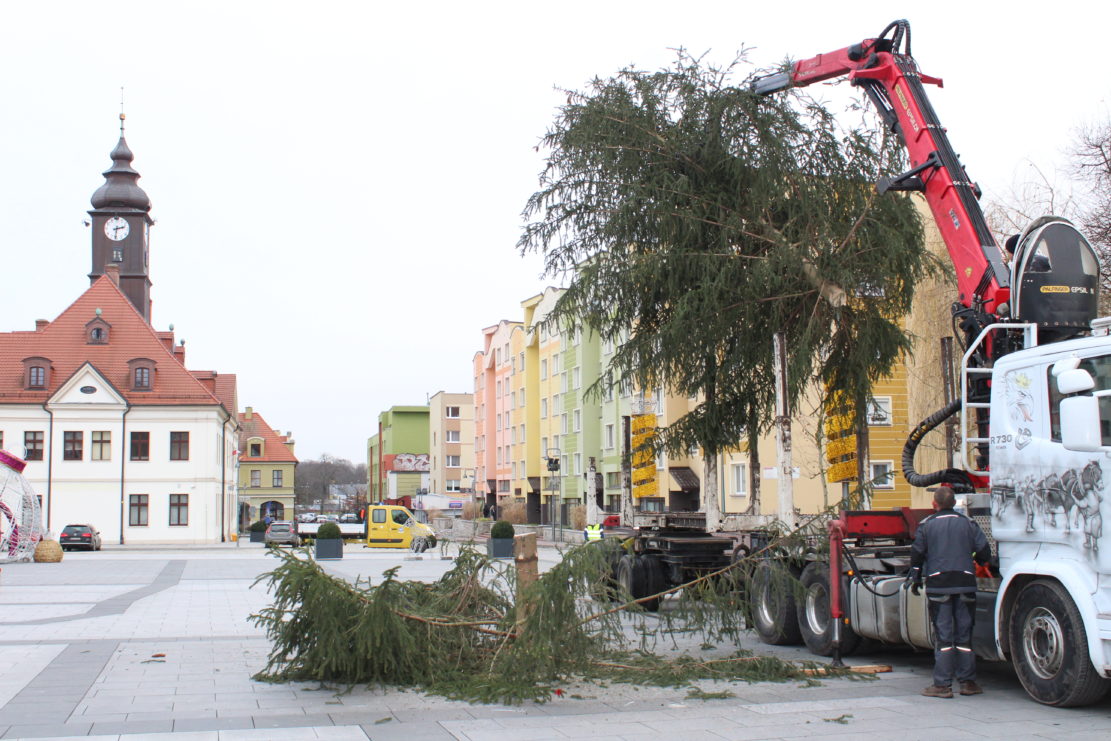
[116, 229]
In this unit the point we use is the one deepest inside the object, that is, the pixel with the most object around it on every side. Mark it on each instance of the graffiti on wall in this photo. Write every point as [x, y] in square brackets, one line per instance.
[407, 462]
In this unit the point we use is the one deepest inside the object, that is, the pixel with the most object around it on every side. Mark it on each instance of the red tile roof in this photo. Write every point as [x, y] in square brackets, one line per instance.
[64, 343]
[274, 449]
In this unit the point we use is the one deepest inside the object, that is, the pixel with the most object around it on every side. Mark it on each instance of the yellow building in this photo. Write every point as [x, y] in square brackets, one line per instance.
[267, 467]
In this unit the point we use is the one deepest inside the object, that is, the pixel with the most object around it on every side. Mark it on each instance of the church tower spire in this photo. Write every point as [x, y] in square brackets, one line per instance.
[121, 227]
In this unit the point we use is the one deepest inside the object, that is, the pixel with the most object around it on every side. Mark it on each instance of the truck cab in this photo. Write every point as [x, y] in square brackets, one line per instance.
[393, 526]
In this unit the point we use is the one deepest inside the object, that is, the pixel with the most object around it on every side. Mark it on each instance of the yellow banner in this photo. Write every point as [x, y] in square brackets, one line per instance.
[644, 459]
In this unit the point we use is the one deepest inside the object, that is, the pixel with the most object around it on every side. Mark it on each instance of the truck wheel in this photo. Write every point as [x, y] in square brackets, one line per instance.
[1049, 648]
[629, 577]
[815, 622]
[772, 601]
[654, 581]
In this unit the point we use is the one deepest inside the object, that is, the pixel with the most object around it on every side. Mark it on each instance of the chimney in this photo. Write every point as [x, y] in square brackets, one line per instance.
[113, 273]
[248, 412]
[289, 442]
[179, 352]
[41, 324]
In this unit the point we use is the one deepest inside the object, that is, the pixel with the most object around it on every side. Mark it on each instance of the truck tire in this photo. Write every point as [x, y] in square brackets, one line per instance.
[815, 622]
[1049, 648]
[637, 575]
[772, 602]
[654, 581]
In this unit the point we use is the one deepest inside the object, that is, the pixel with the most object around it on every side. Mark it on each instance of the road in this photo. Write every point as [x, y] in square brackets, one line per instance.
[135, 644]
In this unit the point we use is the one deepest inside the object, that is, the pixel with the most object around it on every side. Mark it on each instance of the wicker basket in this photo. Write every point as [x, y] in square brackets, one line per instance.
[48, 551]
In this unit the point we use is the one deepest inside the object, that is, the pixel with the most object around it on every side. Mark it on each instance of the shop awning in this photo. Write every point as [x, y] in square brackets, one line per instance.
[684, 479]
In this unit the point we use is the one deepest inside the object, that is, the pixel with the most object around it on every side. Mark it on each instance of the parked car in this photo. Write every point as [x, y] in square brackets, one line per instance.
[349, 517]
[282, 533]
[307, 517]
[80, 536]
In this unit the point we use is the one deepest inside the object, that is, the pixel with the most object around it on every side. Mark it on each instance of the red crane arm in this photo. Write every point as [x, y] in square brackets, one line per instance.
[893, 83]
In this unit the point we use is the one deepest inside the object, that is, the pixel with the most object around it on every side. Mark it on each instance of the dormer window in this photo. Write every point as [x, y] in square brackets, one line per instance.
[36, 373]
[96, 332]
[142, 374]
[254, 447]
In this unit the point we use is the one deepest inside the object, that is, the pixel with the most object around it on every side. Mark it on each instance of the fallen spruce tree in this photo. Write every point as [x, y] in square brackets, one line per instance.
[470, 636]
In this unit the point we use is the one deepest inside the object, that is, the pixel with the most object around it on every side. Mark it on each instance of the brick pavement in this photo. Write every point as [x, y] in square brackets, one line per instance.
[137, 645]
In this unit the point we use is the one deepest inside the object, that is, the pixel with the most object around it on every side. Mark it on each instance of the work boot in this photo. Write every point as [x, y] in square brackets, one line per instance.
[971, 688]
[935, 690]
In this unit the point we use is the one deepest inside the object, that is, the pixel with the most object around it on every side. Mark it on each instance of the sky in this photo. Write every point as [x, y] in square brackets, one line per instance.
[338, 186]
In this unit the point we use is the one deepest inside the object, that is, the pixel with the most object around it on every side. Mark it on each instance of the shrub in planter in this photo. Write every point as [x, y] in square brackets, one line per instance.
[329, 541]
[500, 544]
[258, 531]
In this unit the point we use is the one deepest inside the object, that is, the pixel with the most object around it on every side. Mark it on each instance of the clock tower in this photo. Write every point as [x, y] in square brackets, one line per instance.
[121, 228]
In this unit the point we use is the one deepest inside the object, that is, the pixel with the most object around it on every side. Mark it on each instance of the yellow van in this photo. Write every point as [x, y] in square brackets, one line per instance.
[393, 526]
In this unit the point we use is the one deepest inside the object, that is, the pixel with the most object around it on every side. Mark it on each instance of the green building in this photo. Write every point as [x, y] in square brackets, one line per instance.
[397, 456]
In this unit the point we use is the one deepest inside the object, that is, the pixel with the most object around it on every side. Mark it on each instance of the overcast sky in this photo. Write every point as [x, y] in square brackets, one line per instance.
[338, 185]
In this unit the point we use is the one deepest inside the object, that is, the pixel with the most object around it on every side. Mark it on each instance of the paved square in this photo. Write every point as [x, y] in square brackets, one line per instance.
[144, 644]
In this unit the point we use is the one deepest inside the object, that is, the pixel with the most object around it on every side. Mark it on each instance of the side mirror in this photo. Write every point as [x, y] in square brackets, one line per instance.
[1074, 381]
[1080, 429]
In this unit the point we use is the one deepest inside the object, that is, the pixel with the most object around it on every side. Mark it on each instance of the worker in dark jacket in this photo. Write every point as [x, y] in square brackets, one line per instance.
[943, 551]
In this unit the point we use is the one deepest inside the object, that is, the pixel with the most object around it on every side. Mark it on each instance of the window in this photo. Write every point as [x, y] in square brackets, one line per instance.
[140, 446]
[557, 404]
[179, 510]
[543, 409]
[879, 410]
[101, 446]
[883, 475]
[256, 478]
[117, 254]
[610, 437]
[607, 392]
[503, 485]
[563, 382]
[98, 336]
[179, 446]
[738, 477]
[401, 517]
[276, 478]
[451, 436]
[379, 516]
[563, 424]
[576, 377]
[452, 485]
[37, 377]
[1099, 368]
[254, 449]
[578, 463]
[577, 420]
[138, 510]
[607, 346]
[613, 479]
[142, 378]
[543, 369]
[451, 412]
[74, 446]
[32, 446]
[544, 446]
[498, 392]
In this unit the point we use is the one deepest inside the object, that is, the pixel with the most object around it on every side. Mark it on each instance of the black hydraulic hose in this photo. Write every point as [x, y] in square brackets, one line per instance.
[860, 578]
[952, 476]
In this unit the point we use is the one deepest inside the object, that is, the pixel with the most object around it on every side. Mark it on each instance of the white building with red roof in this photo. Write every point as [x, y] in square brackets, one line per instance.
[116, 431]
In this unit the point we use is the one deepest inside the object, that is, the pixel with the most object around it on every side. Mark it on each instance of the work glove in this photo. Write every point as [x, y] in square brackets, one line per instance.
[914, 579]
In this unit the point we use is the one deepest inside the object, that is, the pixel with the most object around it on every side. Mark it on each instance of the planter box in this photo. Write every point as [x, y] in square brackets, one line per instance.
[499, 547]
[326, 549]
[258, 537]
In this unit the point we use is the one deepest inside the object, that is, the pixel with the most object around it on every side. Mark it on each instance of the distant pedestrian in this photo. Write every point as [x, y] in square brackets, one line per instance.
[943, 551]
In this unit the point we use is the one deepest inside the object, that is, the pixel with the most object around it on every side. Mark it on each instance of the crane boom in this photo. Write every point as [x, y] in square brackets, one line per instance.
[892, 81]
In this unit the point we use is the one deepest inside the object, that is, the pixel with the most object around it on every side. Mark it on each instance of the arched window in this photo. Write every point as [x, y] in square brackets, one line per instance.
[36, 373]
[142, 374]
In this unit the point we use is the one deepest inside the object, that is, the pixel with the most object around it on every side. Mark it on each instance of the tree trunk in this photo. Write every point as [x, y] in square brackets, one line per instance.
[753, 476]
[710, 492]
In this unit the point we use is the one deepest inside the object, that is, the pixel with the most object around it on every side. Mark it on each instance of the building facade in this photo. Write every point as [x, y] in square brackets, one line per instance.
[397, 457]
[451, 443]
[267, 471]
[117, 432]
